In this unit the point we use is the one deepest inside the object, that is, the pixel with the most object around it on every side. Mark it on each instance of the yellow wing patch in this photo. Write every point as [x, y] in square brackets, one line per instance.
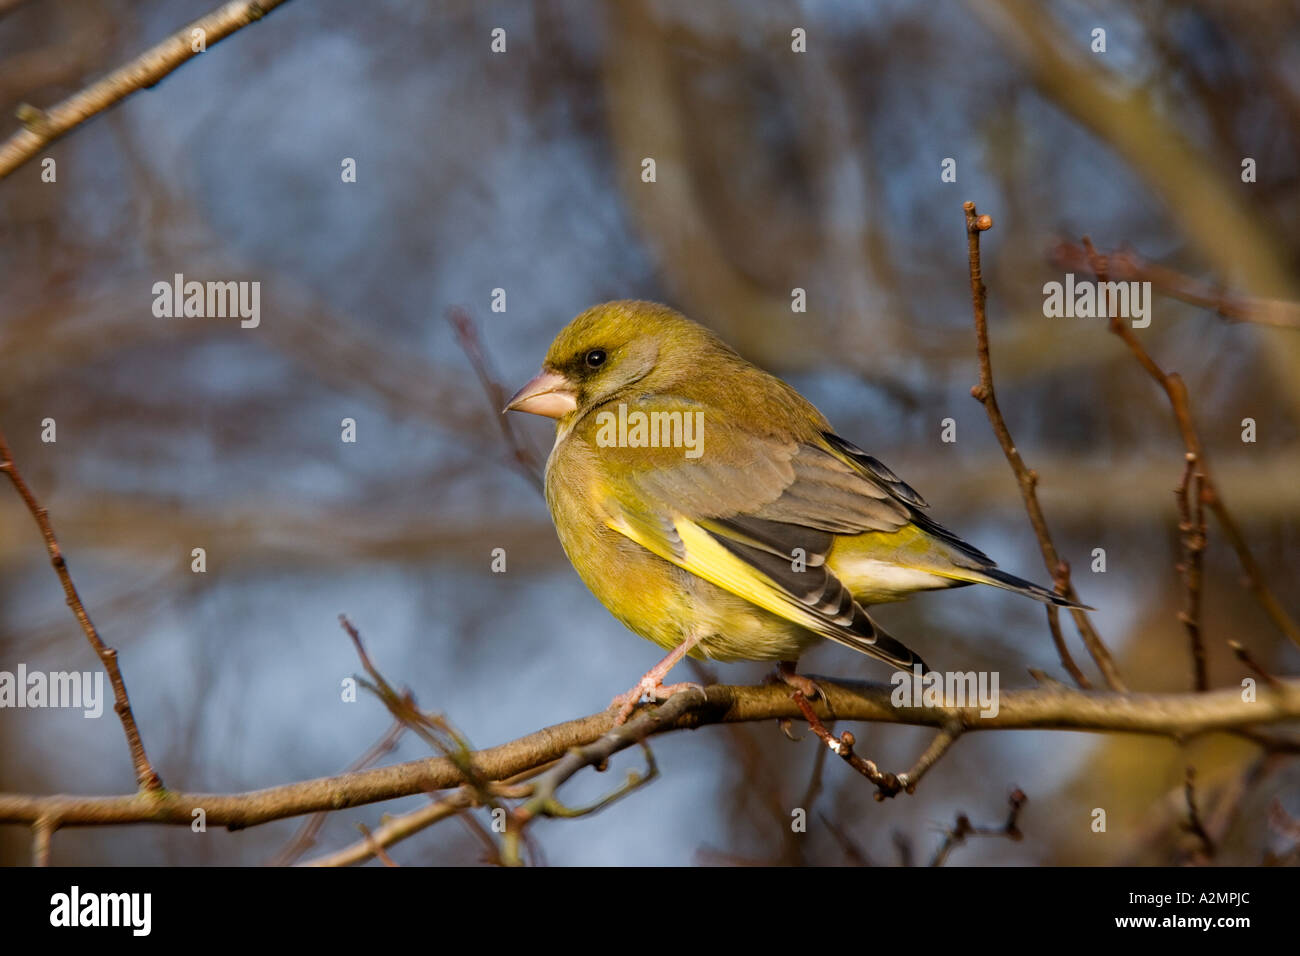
[700, 554]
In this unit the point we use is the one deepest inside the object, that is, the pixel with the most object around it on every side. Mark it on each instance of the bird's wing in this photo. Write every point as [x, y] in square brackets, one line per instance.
[903, 492]
[759, 520]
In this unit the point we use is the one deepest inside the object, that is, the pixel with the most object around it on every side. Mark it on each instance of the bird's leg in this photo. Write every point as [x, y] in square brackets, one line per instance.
[804, 685]
[652, 685]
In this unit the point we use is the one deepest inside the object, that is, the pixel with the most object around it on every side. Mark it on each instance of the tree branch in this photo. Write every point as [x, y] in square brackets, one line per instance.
[887, 784]
[1192, 538]
[144, 772]
[305, 838]
[42, 127]
[1128, 266]
[1178, 716]
[522, 456]
[957, 835]
[1176, 390]
[1026, 477]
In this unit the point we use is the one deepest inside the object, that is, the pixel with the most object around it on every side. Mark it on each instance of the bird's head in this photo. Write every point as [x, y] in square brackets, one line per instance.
[612, 347]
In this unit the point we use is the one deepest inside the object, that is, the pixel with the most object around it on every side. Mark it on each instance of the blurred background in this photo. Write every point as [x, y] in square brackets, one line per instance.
[521, 171]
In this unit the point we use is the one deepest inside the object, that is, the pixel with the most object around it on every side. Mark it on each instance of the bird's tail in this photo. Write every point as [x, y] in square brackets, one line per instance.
[1001, 579]
[868, 637]
[893, 651]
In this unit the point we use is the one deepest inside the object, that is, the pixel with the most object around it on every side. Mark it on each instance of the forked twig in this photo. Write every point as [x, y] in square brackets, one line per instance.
[1026, 477]
[1176, 390]
[963, 828]
[887, 784]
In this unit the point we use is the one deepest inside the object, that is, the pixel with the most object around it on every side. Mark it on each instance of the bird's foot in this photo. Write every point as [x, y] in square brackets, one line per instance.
[804, 685]
[652, 684]
[648, 686]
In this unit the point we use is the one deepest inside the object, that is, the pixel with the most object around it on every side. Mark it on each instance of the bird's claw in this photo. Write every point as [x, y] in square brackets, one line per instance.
[646, 687]
[805, 685]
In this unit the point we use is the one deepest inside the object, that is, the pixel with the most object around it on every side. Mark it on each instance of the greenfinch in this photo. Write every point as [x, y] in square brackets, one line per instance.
[712, 510]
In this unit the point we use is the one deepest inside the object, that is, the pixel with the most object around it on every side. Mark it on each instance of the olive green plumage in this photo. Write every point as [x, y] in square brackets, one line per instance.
[766, 535]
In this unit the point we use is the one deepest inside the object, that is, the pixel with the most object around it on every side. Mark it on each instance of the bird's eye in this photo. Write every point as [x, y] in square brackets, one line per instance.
[596, 358]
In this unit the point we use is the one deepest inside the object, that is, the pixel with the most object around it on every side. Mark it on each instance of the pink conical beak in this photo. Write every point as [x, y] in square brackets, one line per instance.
[549, 394]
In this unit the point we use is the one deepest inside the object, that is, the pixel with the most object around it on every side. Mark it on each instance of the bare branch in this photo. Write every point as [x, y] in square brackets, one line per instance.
[145, 776]
[521, 455]
[433, 729]
[305, 838]
[1174, 387]
[1193, 824]
[1128, 266]
[375, 847]
[1026, 477]
[42, 127]
[398, 828]
[544, 801]
[1244, 655]
[887, 784]
[957, 834]
[1178, 716]
[1192, 536]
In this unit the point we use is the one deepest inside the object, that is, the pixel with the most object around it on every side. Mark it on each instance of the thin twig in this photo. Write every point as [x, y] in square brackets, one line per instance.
[903, 845]
[42, 127]
[1128, 266]
[545, 801]
[375, 848]
[1026, 477]
[305, 838]
[431, 728]
[957, 835]
[886, 784]
[1176, 391]
[1192, 542]
[1171, 809]
[522, 456]
[1282, 822]
[815, 780]
[764, 784]
[1244, 655]
[1288, 827]
[145, 776]
[853, 853]
[398, 828]
[1058, 641]
[944, 739]
[1193, 824]
[491, 851]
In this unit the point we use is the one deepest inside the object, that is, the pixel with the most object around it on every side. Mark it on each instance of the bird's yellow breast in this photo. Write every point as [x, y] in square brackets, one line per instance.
[653, 597]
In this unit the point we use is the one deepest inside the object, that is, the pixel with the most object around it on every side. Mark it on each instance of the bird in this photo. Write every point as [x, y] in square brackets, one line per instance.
[712, 509]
